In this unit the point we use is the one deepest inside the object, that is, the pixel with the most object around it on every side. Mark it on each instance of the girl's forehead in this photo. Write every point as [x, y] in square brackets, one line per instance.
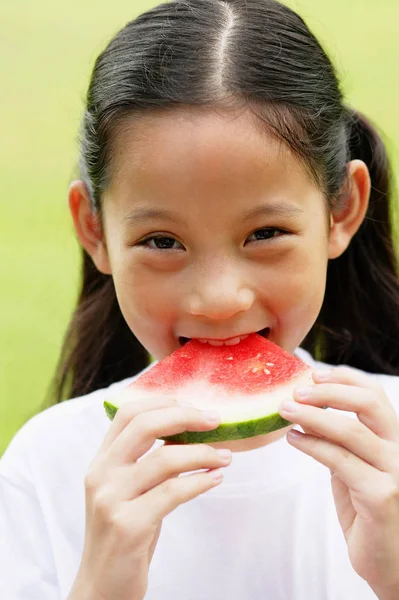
[202, 149]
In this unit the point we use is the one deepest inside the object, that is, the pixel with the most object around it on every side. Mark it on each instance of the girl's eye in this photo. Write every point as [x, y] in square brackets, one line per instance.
[161, 242]
[265, 234]
[165, 242]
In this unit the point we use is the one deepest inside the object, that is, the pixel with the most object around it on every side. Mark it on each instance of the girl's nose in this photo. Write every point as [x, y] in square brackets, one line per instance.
[220, 297]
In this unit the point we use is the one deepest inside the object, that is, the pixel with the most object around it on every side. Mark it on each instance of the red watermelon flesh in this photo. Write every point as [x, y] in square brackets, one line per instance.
[245, 383]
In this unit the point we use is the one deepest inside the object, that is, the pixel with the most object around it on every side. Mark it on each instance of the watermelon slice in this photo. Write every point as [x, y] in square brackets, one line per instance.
[245, 383]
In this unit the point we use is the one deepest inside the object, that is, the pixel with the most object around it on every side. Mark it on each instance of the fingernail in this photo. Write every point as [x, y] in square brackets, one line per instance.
[303, 392]
[225, 455]
[289, 406]
[294, 434]
[323, 374]
[211, 415]
[217, 475]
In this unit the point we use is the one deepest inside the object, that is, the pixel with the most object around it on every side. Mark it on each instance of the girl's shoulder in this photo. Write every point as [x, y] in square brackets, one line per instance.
[67, 434]
[63, 422]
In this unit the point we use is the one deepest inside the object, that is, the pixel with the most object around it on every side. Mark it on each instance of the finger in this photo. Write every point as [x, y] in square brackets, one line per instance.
[353, 377]
[370, 405]
[171, 461]
[347, 465]
[346, 512]
[128, 411]
[140, 434]
[345, 375]
[342, 430]
[374, 494]
[166, 497]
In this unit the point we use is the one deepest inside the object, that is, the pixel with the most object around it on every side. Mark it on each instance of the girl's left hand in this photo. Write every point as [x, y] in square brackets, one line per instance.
[363, 457]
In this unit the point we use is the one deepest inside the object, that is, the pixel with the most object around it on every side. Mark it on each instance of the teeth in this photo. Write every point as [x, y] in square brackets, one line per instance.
[231, 342]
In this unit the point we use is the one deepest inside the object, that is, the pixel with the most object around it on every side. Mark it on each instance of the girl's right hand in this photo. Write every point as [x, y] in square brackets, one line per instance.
[127, 498]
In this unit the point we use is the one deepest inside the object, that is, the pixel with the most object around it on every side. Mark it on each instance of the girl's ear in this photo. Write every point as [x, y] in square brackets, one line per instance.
[88, 227]
[346, 221]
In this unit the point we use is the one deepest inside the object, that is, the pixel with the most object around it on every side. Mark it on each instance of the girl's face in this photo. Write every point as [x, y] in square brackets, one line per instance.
[213, 230]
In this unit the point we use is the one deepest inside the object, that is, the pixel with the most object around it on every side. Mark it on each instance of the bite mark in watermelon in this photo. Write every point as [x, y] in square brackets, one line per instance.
[246, 383]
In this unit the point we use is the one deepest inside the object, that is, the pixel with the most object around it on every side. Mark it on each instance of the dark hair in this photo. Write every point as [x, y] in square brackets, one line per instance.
[249, 54]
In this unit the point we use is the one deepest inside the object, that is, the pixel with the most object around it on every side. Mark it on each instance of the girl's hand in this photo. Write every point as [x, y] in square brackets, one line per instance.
[127, 498]
[363, 457]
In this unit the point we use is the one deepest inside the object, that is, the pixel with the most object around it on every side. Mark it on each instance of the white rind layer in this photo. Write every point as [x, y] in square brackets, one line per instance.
[232, 408]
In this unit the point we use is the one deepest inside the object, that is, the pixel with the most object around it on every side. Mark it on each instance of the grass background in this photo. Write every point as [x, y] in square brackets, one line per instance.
[47, 50]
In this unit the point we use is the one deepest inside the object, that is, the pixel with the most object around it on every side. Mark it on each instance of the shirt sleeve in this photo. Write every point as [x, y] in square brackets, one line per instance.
[26, 564]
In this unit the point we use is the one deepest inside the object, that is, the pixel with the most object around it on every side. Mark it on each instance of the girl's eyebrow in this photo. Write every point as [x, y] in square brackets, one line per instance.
[140, 215]
[281, 209]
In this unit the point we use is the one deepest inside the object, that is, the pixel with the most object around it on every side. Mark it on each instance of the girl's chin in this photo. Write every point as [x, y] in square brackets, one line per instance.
[253, 443]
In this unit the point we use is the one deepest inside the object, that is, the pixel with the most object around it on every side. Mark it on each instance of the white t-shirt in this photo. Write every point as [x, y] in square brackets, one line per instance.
[269, 531]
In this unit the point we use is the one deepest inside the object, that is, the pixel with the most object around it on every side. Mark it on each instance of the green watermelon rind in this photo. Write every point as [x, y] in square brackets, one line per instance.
[224, 433]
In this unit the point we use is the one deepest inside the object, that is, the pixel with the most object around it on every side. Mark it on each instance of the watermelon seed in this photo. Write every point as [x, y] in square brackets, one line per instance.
[229, 358]
[270, 364]
[266, 371]
[258, 355]
[255, 370]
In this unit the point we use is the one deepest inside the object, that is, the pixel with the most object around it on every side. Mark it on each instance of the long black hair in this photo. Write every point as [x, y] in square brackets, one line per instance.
[255, 54]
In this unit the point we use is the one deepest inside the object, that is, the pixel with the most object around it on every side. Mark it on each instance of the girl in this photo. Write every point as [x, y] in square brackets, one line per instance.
[225, 189]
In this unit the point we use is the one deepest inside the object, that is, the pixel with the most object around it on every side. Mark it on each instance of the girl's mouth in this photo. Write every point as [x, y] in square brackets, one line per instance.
[228, 342]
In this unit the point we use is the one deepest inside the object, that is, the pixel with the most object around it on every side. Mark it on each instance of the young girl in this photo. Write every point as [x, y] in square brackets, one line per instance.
[225, 189]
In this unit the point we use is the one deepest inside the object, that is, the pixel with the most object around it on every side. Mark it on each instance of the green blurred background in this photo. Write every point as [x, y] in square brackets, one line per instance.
[47, 50]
